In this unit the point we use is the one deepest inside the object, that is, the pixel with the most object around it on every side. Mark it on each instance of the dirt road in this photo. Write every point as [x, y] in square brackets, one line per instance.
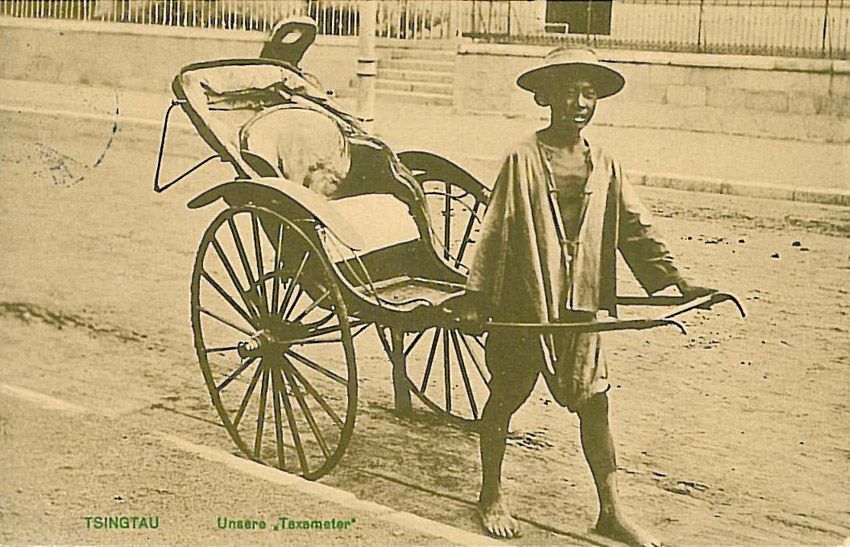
[734, 434]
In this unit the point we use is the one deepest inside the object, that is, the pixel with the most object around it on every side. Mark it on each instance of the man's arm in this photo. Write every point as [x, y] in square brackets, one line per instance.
[644, 249]
[487, 271]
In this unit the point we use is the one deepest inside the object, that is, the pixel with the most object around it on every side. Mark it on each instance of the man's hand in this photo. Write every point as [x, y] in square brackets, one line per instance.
[466, 312]
[690, 291]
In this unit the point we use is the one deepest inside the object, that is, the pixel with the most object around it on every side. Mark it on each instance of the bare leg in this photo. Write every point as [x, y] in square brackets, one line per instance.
[505, 398]
[598, 446]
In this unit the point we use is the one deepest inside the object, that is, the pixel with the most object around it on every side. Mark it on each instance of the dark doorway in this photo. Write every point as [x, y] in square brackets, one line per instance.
[579, 17]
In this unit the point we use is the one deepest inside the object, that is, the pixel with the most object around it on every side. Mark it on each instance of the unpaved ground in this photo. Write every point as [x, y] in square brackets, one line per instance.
[734, 434]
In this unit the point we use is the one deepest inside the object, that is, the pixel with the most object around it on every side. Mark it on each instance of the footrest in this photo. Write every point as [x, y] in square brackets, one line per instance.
[408, 293]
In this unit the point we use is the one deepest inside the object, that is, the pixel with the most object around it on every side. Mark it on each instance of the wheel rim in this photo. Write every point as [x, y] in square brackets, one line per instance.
[447, 372]
[274, 340]
[456, 216]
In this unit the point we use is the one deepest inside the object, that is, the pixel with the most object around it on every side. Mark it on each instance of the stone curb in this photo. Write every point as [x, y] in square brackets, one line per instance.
[331, 494]
[822, 196]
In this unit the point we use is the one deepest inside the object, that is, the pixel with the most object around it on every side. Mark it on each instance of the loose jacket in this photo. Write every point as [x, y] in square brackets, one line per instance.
[519, 269]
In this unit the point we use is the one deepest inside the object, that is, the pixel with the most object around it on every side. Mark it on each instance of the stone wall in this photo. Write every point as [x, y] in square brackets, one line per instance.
[802, 99]
[144, 58]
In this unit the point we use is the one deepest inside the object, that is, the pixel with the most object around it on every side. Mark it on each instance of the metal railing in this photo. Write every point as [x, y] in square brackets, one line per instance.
[410, 19]
[337, 17]
[805, 28]
[417, 19]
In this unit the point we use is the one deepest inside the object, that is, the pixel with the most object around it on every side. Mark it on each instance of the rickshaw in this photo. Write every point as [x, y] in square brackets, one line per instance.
[285, 277]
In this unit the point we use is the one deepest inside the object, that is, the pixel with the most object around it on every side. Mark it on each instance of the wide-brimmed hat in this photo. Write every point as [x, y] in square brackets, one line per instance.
[562, 65]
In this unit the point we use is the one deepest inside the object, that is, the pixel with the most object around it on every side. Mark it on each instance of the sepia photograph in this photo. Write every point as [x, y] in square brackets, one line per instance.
[425, 272]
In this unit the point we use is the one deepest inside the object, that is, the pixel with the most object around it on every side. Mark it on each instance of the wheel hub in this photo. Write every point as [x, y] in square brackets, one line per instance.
[275, 338]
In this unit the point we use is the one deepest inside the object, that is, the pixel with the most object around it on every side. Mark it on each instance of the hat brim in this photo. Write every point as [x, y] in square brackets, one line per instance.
[606, 81]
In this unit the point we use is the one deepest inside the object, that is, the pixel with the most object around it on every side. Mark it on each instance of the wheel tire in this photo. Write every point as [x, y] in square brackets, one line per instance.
[456, 200]
[267, 312]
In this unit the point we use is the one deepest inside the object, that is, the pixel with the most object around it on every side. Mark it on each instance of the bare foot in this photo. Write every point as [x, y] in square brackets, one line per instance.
[497, 520]
[623, 530]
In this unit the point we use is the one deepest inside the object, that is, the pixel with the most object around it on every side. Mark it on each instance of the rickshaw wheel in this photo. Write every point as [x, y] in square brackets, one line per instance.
[274, 341]
[456, 202]
[447, 372]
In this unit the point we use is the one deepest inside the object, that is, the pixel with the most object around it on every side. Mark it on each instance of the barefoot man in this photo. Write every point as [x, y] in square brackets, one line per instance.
[559, 212]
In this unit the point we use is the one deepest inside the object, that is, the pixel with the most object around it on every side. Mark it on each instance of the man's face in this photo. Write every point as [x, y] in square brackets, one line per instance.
[573, 104]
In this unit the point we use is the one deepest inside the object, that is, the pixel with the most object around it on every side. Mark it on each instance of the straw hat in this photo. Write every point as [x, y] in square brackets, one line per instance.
[564, 64]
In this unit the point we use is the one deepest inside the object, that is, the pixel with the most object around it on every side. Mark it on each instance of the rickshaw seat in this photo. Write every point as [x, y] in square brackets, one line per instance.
[286, 140]
[222, 96]
[240, 108]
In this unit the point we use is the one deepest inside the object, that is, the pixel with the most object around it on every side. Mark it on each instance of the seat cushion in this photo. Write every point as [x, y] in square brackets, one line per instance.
[382, 220]
[296, 141]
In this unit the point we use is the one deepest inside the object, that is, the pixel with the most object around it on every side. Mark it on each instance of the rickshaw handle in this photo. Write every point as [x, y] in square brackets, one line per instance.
[666, 319]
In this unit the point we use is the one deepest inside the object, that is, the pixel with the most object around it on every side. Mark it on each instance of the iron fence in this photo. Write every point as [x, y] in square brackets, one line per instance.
[337, 17]
[805, 28]
[406, 19]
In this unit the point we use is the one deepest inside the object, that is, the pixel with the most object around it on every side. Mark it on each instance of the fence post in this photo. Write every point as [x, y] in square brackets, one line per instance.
[455, 21]
[366, 64]
[589, 15]
[826, 31]
[700, 27]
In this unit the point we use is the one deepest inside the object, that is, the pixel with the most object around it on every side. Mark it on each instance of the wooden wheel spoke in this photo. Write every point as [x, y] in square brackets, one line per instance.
[299, 293]
[290, 418]
[291, 285]
[308, 414]
[466, 233]
[277, 267]
[231, 273]
[220, 349]
[305, 342]
[224, 321]
[479, 342]
[457, 199]
[235, 374]
[258, 254]
[447, 219]
[431, 355]
[363, 327]
[413, 343]
[382, 336]
[246, 315]
[240, 248]
[278, 417]
[314, 336]
[312, 306]
[447, 373]
[481, 370]
[317, 367]
[247, 397]
[261, 412]
[323, 321]
[315, 394]
[324, 331]
[233, 277]
[465, 376]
